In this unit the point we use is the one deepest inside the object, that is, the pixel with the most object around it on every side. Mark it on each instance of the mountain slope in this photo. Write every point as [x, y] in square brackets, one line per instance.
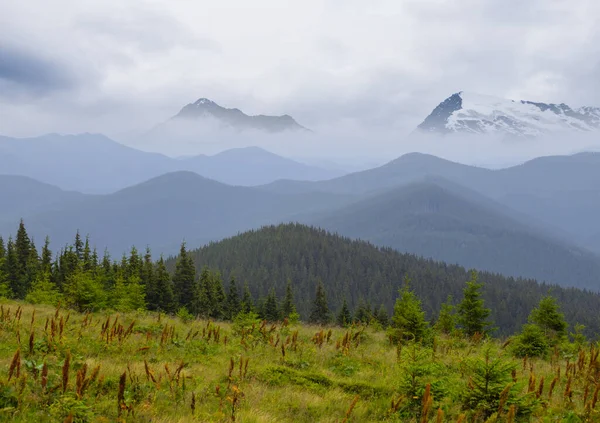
[472, 113]
[438, 220]
[96, 164]
[168, 209]
[204, 108]
[562, 192]
[356, 270]
[23, 196]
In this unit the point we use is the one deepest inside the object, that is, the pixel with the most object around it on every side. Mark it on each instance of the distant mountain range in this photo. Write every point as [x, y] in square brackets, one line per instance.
[93, 163]
[204, 108]
[486, 219]
[472, 113]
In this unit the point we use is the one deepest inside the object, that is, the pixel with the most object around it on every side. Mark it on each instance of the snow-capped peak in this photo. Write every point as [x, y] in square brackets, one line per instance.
[204, 102]
[467, 112]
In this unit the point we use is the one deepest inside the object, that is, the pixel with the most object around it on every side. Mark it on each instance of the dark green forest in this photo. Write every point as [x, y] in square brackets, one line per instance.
[285, 271]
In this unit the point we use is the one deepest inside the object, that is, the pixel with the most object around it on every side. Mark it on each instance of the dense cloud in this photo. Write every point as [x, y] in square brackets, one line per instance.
[120, 68]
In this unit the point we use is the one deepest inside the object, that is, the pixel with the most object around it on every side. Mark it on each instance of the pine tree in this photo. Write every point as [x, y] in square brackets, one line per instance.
[134, 264]
[233, 300]
[382, 316]
[447, 319]
[363, 312]
[548, 317]
[344, 318]
[247, 304]
[2, 248]
[217, 309]
[86, 256]
[320, 310]
[409, 317]
[270, 312]
[78, 246]
[19, 279]
[288, 307]
[46, 264]
[472, 315]
[163, 298]
[184, 279]
[147, 278]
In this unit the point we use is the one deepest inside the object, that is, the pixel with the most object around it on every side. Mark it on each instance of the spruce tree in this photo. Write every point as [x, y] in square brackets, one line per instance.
[270, 312]
[247, 304]
[548, 317]
[184, 279]
[472, 315]
[409, 317]
[447, 319]
[147, 278]
[320, 310]
[163, 297]
[78, 246]
[344, 318]
[288, 307]
[86, 256]
[2, 248]
[46, 264]
[217, 310]
[233, 300]
[382, 316]
[363, 312]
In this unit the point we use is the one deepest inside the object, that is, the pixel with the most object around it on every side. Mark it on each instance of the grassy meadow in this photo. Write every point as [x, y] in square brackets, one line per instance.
[61, 366]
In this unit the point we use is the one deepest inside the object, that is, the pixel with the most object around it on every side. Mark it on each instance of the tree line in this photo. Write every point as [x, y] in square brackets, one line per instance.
[78, 277]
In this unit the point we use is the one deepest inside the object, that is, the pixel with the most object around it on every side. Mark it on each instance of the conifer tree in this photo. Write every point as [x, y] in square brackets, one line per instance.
[344, 318]
[163, 297]
[233, 300]
[447, 319]
[2, 248]
[184, 279]
[548, 317]
[288, 307]
[472, 315]
[46, 264]
[217, 310]
[363, 312]
[202, 295]
[134, 264]
[86, 256]
[382, 316]
[147, 278]
[78, 246]
[247, 304]
[320, 310]
[409, 317]
[270, 312]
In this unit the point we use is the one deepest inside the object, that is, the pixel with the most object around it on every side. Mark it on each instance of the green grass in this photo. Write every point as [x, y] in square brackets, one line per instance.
[309, 383]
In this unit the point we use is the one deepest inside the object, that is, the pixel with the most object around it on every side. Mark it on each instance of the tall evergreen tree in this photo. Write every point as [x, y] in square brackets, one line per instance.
[288, 307]
[247, 304]
[78, 244]
[320, 310]
[446, 321]
[2, 248]
[184, 279]
[233, 300]
[382, 316]
[147, 277]
[270, 311]
[46, 264]
[472, 315]
[86, 256]
[344, 317]
[163, 297]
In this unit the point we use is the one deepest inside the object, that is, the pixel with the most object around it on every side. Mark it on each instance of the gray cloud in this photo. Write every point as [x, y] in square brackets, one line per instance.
[23, 71]
[365, 68]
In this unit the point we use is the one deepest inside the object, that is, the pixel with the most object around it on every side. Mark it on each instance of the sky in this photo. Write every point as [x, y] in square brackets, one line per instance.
[344, 66]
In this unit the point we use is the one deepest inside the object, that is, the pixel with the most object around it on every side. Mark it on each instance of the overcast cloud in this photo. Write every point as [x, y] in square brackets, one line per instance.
[121, 67]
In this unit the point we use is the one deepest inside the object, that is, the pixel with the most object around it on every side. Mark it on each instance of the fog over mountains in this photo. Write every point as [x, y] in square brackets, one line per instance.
[421, 204]
[534, 220]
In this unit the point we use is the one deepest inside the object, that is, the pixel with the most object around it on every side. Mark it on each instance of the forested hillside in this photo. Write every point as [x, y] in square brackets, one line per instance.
[275, 272]
[362, 273]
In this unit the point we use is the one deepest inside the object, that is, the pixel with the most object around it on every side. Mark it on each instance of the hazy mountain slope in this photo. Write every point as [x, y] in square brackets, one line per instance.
[357, 270]
[87, 162]
[479, 114]
[436, 221]
[23, 196]
[204, 108]
[96, 164]
[253, 166]
[165, 210]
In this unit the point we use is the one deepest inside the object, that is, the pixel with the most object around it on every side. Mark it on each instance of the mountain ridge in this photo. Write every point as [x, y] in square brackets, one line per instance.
[472, 113]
